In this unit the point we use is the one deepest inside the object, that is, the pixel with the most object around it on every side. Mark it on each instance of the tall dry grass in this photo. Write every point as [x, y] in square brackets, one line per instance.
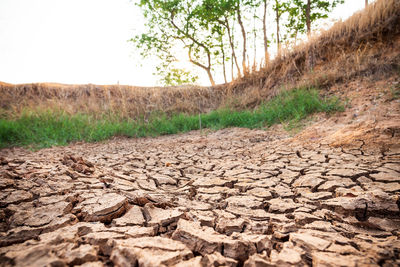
[366, 44]
[124, 101]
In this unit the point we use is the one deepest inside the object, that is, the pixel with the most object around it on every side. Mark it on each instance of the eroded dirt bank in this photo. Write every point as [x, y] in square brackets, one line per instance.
[233, 197]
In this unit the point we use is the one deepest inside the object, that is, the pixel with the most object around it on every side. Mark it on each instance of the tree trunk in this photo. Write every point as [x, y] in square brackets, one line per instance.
[233, 77]
[266, 54]
[278, 42]
[223, 61]
[255, 43]
[366, 3]
[232, 46]
[308, 17]
[244, 41]
[208, 70]
[206, 49]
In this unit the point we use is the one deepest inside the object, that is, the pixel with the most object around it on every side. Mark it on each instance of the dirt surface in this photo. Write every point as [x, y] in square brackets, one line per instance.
[231, 197]
[328, 196]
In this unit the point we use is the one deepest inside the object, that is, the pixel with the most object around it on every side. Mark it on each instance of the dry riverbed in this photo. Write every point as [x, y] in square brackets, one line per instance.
[233, 197]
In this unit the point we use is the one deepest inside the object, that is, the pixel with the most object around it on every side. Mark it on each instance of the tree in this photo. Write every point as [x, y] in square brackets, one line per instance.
[279, 8]
[226, 13]
[215, 15]
[171, 21]
[366, 3]
[264, 26]
[244, 53]
[212, 32]
[302, 13]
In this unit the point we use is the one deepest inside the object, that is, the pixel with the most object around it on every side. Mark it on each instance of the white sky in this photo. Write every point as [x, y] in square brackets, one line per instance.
[80, 41]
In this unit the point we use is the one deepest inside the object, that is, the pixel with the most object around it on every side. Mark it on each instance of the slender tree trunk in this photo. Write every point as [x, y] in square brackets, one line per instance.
[266, 54]
[206, 68]
[366, 3]
[228, 28]
[255, 42]
[233, 77]
[206, 49]
[310, 60]
[210, 76]
[244, 40]
[278, 42]
[248, 62]
[223, 61]
[308, 17]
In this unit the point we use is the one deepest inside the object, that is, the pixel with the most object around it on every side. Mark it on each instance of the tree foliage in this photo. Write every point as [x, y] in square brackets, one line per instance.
[209, 33]
[174, 24]
[302, 13]
[175, 76]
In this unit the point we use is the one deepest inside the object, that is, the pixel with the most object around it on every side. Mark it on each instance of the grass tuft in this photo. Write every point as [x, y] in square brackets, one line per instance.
[51, 128]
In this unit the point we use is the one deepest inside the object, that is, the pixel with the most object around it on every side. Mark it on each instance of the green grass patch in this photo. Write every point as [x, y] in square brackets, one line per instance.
[49, 128]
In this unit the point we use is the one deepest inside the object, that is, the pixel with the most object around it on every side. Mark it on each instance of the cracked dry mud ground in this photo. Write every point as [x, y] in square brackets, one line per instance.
[230, 198]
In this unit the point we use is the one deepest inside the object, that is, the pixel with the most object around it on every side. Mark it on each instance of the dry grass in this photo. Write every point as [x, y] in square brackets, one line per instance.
[124, 101]
[366, 44]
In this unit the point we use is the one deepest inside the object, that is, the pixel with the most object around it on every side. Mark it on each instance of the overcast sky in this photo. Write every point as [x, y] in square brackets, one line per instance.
[80, 41]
